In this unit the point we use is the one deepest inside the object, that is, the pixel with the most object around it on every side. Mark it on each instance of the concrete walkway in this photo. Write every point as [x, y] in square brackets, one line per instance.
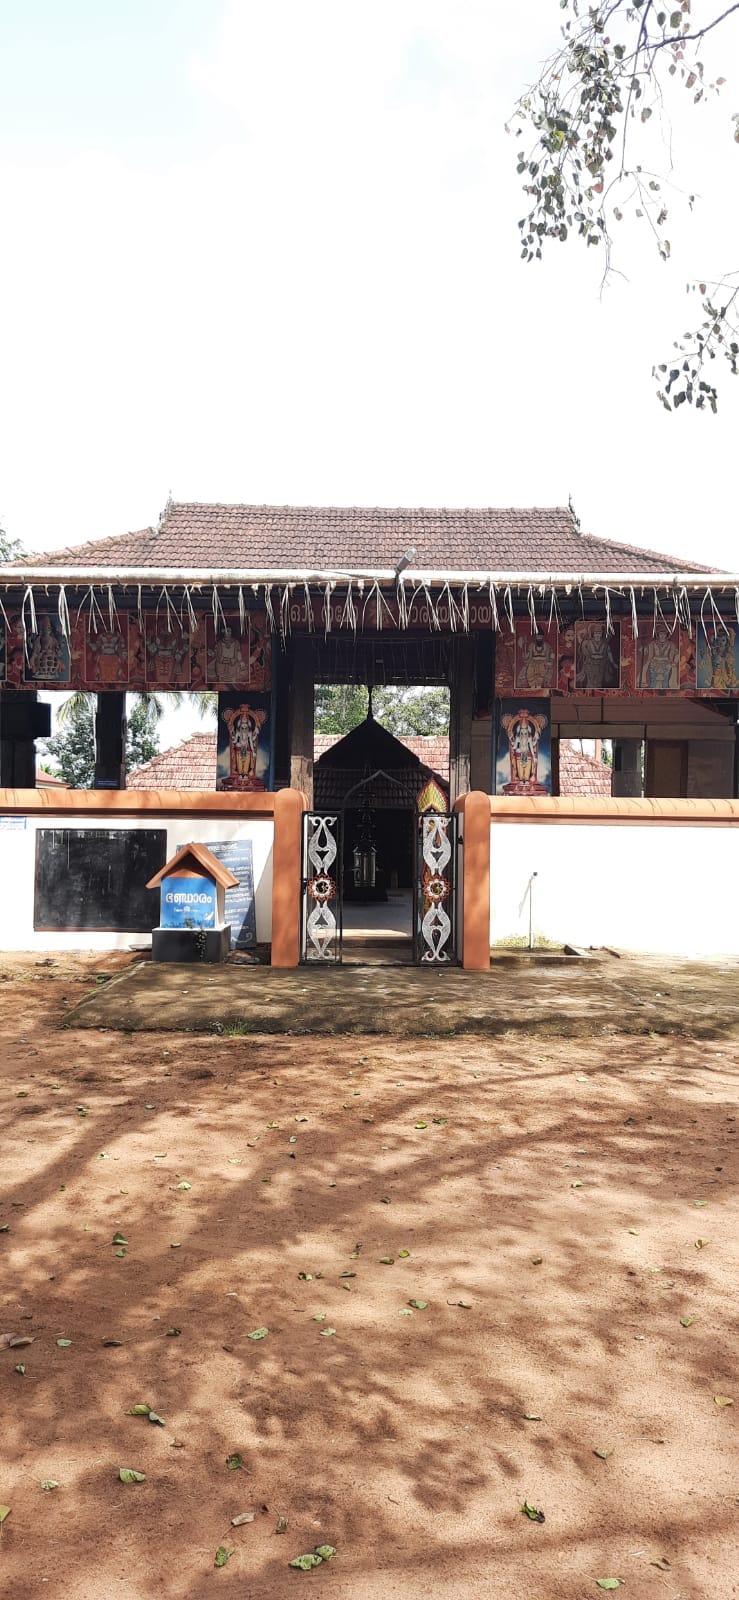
[543, 996]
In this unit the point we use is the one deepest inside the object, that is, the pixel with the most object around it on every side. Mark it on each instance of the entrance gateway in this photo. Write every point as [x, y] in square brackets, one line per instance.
[434, 918]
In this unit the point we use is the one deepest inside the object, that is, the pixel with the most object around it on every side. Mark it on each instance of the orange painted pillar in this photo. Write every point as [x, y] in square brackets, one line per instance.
[289, 807]
[475, 865]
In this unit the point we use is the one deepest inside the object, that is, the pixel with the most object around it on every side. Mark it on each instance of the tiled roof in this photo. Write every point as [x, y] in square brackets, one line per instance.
[324, 538]
[191, 765]
[581, 774]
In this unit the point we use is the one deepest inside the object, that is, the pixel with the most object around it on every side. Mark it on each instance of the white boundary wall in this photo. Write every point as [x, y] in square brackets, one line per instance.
[18, 858]
[655, 887]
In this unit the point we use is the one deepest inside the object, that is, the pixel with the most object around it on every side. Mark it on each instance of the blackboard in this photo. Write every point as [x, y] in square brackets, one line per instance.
[93, 879]
[240, 909]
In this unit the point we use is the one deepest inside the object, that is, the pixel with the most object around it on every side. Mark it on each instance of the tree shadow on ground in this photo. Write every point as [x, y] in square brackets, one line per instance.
[546, 1196]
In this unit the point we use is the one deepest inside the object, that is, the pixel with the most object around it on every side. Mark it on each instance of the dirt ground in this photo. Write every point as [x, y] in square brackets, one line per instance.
[565, 1210]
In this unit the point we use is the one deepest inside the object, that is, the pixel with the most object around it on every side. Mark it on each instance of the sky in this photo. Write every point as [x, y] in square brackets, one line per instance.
[268, 252]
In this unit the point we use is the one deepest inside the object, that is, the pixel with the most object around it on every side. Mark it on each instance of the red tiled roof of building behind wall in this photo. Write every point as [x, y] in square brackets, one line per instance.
[192, 765]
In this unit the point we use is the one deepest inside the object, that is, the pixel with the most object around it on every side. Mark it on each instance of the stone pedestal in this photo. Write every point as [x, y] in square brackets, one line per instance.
[209, 945]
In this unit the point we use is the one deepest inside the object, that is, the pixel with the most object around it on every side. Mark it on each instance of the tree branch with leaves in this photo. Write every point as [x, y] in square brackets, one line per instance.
[586, 167]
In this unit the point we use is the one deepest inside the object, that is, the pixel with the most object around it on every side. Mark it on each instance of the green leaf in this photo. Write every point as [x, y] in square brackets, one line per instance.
[306, 1563]
[48, 1484]
[21, 1369]
[130, 1475]
[64, 1343]
[608, 1583]
[404, 1312]
[189, 1186]
[235, 1461]
[421, 1124]
[700, 1203]
[141, 1410]
[532, 1416]
[155, 1417]
[418, 1305]
[687, 1322]
[327, 1332]
[722, 1400]
[465, 1304]
[325, 1551]
[173, 1333]
[120, 1252]
[258, 1333]
[603, 1454]
[532, 1512]
[387, 1261]
[403, 1255]
[118, 1239]
[222, 1555]
[661, 1562]
[4, 1512]
[700, 1244]
[319, 1316]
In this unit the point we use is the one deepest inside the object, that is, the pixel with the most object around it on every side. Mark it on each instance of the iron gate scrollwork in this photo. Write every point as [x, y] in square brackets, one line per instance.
[320, 938]
[436, 890]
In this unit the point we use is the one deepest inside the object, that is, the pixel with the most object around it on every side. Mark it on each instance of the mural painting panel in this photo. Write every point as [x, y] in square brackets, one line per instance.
[536, 657]
[523, 763]
[168, 663]
[505, 663]
[47, 659]
[597, 656]
[244, 741]
[718, 659]
[238, 659]
[104, 656]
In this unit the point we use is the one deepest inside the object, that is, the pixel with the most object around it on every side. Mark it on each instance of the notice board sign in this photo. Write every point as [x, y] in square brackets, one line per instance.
[236, 854]
[94, 879]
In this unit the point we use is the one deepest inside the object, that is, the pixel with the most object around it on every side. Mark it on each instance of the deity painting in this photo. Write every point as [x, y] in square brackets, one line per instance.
[239, 658]
[523, 760]
[718, 658]
[168, 664]
[597, 656]
[244, 741]
[658, 659]
[106, 656]
[47, 657]
[536, 658]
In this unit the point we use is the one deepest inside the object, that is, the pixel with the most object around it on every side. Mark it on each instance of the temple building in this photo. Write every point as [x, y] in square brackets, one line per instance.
[539, 633]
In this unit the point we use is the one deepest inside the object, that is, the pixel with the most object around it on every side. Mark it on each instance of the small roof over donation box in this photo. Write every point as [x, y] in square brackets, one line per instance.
[196, 860]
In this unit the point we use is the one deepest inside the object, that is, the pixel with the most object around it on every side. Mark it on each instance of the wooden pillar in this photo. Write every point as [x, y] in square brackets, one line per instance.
[475, 866]
[110, 740]
[22, 721]
[286, 877]
[460, 719]
[301, 718]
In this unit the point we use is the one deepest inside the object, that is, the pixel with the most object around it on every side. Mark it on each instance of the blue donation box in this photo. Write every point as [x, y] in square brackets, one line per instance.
[192, 925]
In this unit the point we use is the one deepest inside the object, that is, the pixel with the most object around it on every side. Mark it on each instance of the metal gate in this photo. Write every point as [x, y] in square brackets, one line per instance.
[320, 921]
[435, 898]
